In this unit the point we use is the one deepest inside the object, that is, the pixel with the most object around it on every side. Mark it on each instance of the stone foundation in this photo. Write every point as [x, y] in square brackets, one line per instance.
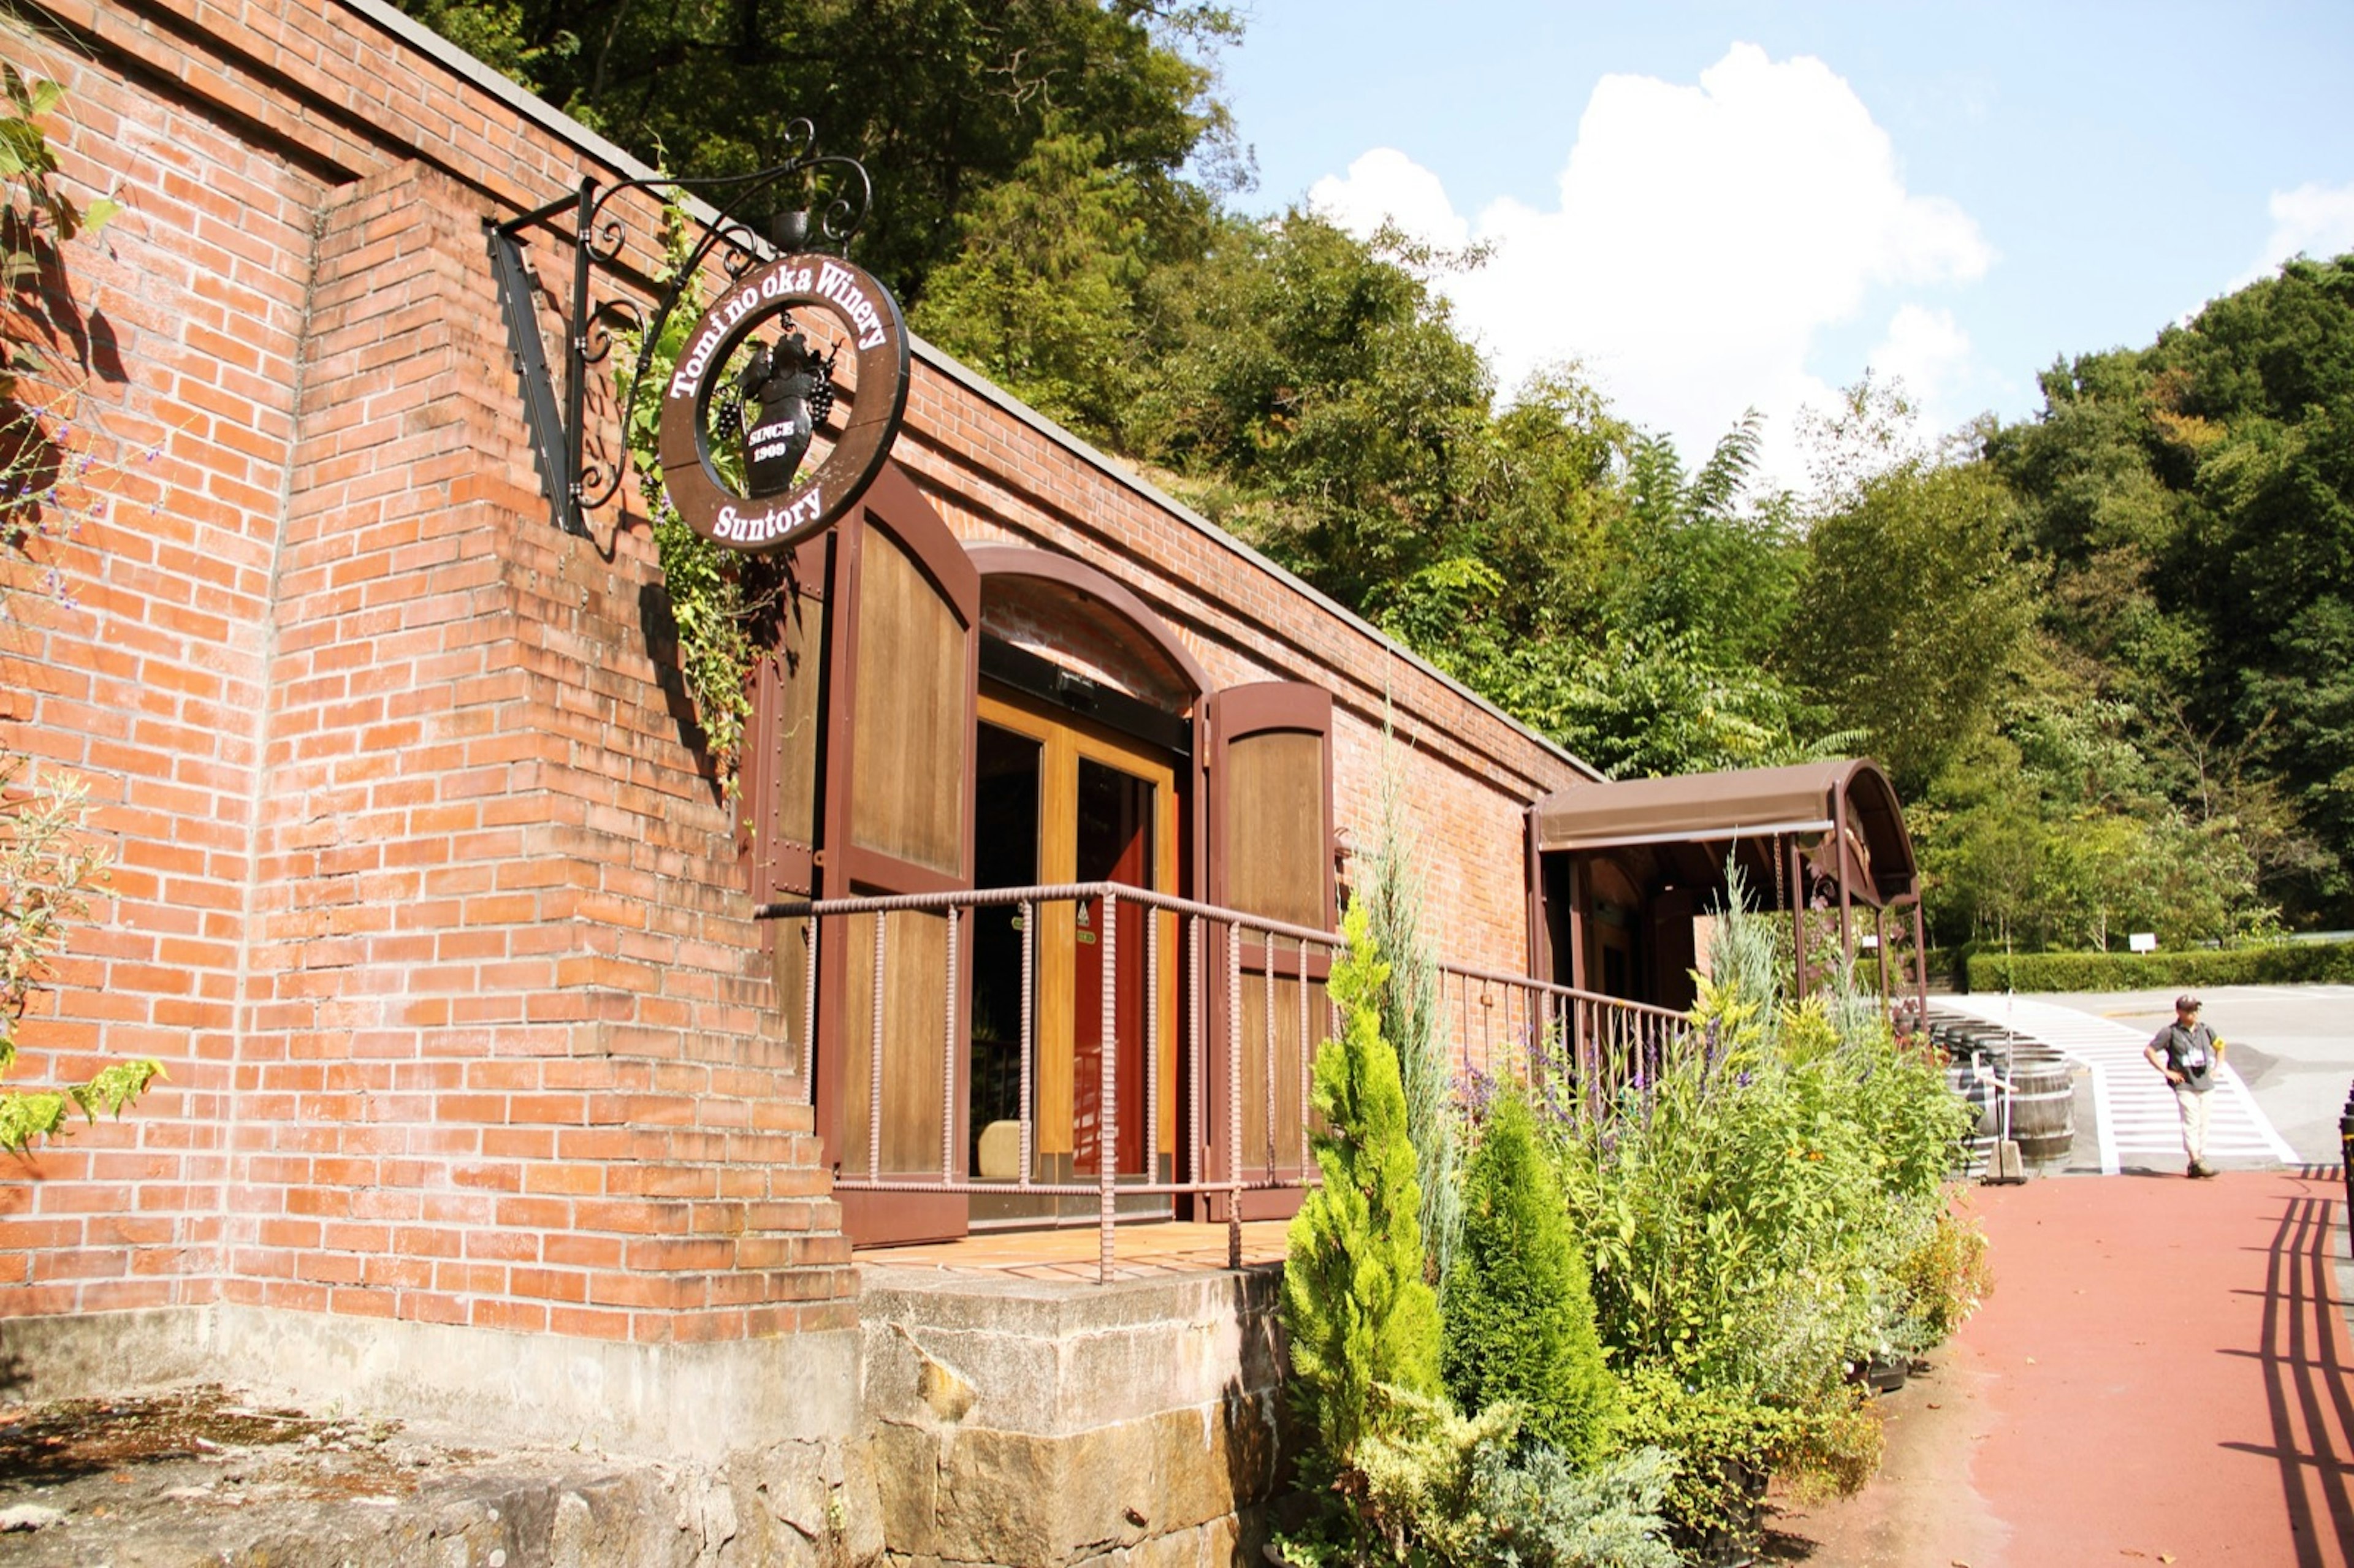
[695, 1404]
[973, 1420]
[1033, 1424]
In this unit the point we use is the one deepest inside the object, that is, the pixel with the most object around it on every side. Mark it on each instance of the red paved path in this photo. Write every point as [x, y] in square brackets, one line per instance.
[2159, 1376]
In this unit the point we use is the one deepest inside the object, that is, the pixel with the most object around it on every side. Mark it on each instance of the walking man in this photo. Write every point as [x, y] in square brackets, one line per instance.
[2186, 1051]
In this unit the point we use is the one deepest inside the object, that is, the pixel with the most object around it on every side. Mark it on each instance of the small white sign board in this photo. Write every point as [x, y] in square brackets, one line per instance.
[2143, 942]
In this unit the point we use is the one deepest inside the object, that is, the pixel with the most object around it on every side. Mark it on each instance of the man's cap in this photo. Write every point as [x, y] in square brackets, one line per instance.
[2186, 1002]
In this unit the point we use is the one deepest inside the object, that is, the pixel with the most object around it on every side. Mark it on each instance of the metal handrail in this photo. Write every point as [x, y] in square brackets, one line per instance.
[1610, 1038]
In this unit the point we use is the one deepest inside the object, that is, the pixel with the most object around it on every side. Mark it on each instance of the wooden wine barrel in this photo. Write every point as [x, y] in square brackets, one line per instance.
[2042, 1109]
[1980, 1092]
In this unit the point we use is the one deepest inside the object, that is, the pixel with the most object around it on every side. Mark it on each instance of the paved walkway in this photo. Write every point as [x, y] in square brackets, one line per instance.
[2137, 1125]
[2160, 1377]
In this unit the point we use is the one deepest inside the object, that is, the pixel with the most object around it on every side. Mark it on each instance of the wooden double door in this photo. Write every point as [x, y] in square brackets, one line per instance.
[882, 762]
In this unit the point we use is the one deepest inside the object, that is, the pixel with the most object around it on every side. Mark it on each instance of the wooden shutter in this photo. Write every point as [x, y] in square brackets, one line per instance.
[1269, 820]
[898, 818]
[777, 786]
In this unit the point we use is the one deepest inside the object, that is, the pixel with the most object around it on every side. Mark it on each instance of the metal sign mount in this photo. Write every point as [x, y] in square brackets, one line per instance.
[833, 189]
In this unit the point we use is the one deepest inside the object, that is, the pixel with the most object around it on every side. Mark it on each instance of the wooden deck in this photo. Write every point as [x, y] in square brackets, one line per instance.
[1140, 1251]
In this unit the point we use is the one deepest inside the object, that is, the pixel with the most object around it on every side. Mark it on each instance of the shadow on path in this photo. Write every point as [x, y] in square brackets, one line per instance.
[2301, 1356]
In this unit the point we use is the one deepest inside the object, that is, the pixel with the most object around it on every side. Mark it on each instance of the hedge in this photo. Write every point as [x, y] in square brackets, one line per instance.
[2279, 964]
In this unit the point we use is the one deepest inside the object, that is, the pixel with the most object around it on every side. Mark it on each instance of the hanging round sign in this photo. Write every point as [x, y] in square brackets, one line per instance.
[742, 412]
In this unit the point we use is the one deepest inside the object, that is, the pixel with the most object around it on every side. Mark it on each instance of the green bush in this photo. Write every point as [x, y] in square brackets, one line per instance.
[1360, 1317]
[2283, 963]
[1725, 1444]
[1762, 1215]
[1833, 1444]
[1444, 1491]
[1519, 1313]
[1942, 1278]
[1742, 1226]
[1542, 1509]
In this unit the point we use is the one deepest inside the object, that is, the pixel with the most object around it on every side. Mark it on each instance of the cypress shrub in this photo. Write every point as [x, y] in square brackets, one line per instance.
[1519, 1309]
[1359, 1314]
[1413, 1022]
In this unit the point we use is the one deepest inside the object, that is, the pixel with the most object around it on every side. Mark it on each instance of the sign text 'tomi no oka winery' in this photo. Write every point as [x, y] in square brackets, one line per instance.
[785, 390]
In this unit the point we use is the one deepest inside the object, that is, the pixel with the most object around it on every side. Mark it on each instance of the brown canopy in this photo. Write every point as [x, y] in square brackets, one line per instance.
[1751, 803]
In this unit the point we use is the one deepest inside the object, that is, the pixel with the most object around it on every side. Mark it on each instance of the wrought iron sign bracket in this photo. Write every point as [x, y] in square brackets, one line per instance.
[832, 187]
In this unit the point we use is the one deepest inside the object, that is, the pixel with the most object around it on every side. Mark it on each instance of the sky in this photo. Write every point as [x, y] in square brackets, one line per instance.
[1713, 207]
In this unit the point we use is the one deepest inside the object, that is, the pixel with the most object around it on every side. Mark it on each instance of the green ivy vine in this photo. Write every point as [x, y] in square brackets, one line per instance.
[716, 598]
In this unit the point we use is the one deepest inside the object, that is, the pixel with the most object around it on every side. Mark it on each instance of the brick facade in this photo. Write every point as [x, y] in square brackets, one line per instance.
[424, 895]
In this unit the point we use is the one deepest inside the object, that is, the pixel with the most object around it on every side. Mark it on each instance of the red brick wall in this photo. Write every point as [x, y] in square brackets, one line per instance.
[150, 691]
[425, 899]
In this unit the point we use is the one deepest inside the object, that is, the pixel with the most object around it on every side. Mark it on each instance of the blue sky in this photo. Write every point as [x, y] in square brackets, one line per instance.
[1761, 200]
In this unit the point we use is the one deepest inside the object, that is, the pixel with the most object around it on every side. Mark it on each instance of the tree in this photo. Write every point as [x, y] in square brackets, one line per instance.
[1042, 297]
[1311, 393]
[1359, 1315]
[1910, 608]
[2190, 505]
[1520, 1315]
[944, 100]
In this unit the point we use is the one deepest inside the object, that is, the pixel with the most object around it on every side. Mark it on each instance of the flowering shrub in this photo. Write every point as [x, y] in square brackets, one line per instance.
[1763, 1216]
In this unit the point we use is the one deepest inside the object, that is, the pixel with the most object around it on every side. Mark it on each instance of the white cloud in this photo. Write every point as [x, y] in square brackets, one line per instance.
[2314, 219]
[1703, 239]
[1929, 351]
[1387, 187]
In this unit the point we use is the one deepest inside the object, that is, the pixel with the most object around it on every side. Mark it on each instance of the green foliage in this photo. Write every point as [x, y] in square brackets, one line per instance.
[1945, 1277]
[1761, 1217]
[2189, 509]
[1648, 703]
[1313, 394]
[1834, 1443]
[714, 603]
[47, 873]
[1544, 1509]
[1359, 1315]
[45, 461]
[1439, 1489]
[1043, 296]
[943, 99]
[1390, 889]
[2270, 963]
[1725, 1445]
[1520, 1315]
[1909, 610]
[40, 216]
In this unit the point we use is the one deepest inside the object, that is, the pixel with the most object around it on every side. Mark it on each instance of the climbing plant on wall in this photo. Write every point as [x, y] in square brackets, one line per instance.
[713, 599]
[48, 867]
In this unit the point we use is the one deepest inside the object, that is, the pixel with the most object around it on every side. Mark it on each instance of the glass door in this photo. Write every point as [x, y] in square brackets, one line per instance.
[1059, 800]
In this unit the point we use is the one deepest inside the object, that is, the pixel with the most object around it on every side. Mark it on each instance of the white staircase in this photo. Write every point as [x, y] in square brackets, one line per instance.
[2131, 1102]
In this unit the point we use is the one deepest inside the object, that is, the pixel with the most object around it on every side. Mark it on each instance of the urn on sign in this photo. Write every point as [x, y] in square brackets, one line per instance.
[788, 391]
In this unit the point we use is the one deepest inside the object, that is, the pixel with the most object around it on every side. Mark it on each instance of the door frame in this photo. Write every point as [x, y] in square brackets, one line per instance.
[1065, 738]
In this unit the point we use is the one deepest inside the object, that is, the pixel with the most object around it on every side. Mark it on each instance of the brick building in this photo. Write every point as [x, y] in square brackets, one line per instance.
[423, 893]
[485, 1088]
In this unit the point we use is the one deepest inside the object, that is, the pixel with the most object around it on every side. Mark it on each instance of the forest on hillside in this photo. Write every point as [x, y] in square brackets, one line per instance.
[2107, 652]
